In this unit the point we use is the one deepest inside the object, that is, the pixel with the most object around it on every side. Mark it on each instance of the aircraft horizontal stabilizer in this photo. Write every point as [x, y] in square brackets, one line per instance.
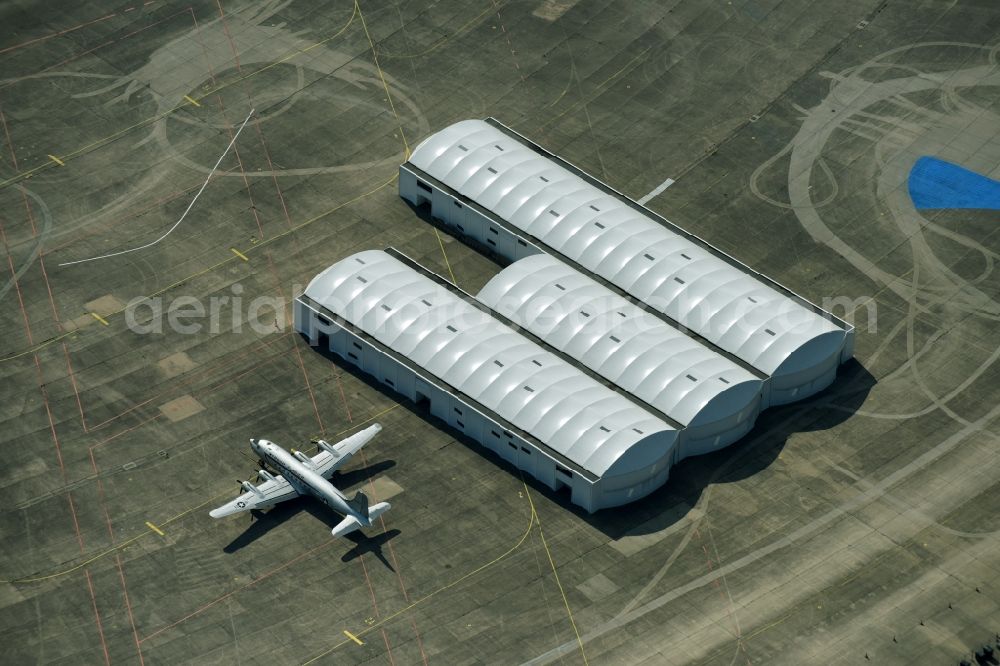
[377, 510]
[346, 526]
[349, 524]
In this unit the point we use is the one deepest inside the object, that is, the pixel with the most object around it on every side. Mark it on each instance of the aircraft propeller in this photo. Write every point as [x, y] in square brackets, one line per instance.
[256, 461]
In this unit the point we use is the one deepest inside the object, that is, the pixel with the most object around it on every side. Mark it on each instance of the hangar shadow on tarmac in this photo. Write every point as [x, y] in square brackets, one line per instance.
[688, 479]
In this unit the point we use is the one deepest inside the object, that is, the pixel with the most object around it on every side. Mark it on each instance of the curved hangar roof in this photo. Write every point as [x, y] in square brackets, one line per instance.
[632, 348]
[671, 273]
[472, 351]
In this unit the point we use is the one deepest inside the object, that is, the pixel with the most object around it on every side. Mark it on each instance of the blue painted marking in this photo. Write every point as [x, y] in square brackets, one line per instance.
[935, 183]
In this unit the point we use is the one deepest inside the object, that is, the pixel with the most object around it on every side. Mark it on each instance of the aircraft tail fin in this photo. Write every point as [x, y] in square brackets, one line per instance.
[350, 523]
[359, 504]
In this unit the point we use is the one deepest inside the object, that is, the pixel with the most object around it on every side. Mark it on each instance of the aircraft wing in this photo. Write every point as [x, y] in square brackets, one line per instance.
[267, 494]
[332, 457]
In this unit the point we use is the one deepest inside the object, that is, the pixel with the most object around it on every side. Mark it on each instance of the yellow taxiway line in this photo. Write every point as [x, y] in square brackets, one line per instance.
[353, 637]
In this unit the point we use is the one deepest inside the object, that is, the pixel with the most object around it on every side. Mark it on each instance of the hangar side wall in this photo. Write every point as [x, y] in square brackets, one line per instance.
[467, 221]
[324, 330]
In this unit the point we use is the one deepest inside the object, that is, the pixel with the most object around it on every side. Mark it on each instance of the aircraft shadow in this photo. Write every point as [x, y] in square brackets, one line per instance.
[263, 522]
[373, 543]
[351, 478]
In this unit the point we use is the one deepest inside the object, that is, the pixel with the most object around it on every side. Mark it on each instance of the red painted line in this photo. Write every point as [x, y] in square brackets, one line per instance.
[54, 34]
[100, 494]
[270, 166]
[52, 425]
[128, 605]
[229, 127]
[295, 346]
[395, 562]
[41, 259]
[277, 283]
[17, 286]
[371, 590]
[76, 391]
[239, 161]
[274, 175]
[10, 144]
[31, 215]
[270, 573]
[726, 601]
[76, 523]
[225, 27]
[343, 396]
[420, 643]
[312, 395]
[97, 617]
[385, 637]
[59, 458]
[197, 32]
[48, 287]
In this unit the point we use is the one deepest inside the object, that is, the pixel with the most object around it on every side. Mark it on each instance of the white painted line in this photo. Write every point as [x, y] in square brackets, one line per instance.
[186, 211]
[655, 192]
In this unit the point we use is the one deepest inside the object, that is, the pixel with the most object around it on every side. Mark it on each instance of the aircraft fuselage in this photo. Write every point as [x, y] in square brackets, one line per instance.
[304, 479]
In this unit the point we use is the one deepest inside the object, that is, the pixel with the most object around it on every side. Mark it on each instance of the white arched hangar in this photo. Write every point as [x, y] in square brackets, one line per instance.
[713, 396]
[515, 199]
[437, 346]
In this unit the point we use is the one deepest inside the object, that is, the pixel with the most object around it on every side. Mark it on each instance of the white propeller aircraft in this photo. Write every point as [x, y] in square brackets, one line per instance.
[302, 475]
